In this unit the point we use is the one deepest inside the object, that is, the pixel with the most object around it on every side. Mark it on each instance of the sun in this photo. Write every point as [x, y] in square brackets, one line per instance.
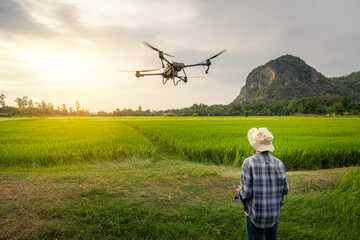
[46, 62]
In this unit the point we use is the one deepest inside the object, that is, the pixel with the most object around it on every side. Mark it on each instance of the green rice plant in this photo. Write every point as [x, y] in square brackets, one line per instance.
[300, 142]
[336, 211]
[57, 141]
[346, 201]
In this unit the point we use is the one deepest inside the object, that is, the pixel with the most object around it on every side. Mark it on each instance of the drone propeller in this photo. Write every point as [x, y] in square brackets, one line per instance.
[207, 61]
[155, 49]
[216, 55]
[148, 70]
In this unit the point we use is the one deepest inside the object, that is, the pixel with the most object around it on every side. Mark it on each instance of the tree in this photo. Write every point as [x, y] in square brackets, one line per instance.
[346, 101]
[22, 102]
[218, 111]
[77, 105]
[102, 113]
[139, 111]
[338, 108]
[2, 100]
[43, 107]
[19, 103]
[64, 109]
[50, 108]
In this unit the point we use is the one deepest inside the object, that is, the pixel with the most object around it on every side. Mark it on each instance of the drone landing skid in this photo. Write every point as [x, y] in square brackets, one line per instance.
[174, 80]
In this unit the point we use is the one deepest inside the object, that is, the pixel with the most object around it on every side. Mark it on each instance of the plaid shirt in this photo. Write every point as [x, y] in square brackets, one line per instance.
[263, 185]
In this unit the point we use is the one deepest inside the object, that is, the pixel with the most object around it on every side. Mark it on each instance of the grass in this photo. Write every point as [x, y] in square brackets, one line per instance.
[301, 143]
[35, 142]
[347, 195]
[130, 178]
[168, 199]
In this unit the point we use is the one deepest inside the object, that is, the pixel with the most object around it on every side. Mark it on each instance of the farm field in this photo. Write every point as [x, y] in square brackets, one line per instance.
[170, 178]
[57, 141]
[301, 143]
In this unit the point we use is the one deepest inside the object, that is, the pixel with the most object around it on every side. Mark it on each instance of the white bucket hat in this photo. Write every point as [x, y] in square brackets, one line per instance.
[261, 139]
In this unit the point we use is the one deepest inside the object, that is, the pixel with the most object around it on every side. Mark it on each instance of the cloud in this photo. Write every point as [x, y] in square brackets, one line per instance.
[72, 47]
[14, 19]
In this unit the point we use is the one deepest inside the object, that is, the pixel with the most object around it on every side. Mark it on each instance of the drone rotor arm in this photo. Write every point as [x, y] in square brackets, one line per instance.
[152, 74]
[162, 59]
[194, 65]
[147, 70]
[167, 61]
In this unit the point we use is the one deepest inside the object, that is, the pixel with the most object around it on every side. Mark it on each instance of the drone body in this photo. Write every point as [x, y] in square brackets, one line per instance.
[172, 69]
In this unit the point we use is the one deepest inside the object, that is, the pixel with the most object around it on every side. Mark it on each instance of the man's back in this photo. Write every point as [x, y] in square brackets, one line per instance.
[264, 182]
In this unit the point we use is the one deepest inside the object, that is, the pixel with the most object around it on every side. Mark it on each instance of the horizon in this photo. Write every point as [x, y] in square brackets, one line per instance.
[68, 50]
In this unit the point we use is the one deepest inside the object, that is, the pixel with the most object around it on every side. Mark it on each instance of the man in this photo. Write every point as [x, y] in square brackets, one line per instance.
[263, 186]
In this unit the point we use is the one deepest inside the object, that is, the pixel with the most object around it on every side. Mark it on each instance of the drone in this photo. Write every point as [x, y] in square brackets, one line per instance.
[172, 69]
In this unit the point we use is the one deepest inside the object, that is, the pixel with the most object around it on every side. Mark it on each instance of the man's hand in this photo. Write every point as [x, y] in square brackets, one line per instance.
[237, 191]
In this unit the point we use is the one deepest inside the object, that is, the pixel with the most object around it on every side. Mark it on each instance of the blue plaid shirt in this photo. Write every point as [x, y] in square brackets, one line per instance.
[263, 185]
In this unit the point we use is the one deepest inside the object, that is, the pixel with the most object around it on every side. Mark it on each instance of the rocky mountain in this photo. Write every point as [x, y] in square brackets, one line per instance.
[290, 76]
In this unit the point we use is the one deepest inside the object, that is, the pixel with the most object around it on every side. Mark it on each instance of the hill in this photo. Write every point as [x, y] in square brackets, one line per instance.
[290, 76]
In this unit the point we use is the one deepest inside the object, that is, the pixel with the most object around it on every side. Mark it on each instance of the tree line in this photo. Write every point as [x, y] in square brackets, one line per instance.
[28, 108]
[320, 105]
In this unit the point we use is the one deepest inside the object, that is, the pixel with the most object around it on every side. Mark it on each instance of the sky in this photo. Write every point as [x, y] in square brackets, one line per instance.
[68, 50]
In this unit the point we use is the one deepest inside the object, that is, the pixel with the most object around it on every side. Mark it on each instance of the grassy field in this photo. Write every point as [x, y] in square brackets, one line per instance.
[131, 178]
[301, 143]
[166, 199]
[57, 141]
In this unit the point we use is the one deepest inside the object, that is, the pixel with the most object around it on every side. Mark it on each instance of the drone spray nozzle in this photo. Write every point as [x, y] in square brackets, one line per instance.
[208, 63]
[207, 70]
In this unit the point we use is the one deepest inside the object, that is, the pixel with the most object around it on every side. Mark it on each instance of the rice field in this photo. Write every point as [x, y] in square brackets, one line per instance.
[300, 142]
[36, 142]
